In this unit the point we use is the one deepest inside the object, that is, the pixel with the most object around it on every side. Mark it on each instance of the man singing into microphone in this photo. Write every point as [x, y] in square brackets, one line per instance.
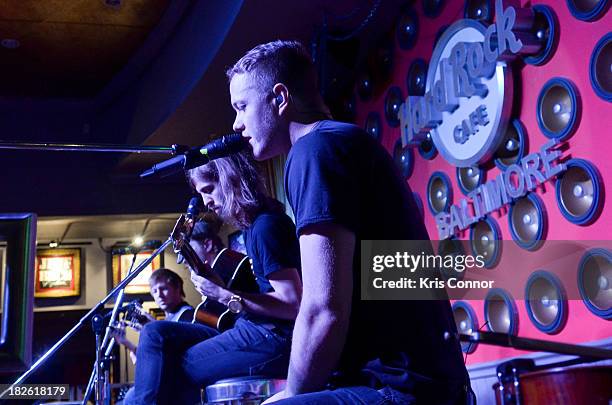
[343, 188]
[175, 360]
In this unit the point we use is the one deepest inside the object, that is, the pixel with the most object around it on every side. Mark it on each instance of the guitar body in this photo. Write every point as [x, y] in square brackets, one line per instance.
[234, 268]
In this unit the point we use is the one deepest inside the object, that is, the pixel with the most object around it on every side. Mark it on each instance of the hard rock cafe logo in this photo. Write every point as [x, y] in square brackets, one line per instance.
[466, 109]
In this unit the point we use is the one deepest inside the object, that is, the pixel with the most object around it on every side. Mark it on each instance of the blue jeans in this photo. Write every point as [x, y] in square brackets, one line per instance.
[175, 359]
[352, 396]
[362, 395]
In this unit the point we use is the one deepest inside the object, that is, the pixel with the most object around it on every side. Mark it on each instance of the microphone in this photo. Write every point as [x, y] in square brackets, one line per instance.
[198, 156]
[194, 207]
[131, 249]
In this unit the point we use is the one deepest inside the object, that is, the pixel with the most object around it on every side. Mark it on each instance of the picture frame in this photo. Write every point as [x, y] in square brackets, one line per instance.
[121, 263]
[235, 241]
[57, 273]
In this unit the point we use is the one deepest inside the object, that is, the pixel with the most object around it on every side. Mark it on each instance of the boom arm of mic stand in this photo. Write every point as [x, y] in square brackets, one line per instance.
[87, 316]
[503, 339]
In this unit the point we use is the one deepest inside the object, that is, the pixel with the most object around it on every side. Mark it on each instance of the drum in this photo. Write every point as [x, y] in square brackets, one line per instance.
[560, 386]
[251, 390]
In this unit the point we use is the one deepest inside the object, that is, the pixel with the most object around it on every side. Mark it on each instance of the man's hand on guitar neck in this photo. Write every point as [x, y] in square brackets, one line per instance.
[213, 289]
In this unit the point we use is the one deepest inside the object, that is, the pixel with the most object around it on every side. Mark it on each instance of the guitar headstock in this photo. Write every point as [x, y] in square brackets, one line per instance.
[180, 241]
[136, 314]
[181, 232]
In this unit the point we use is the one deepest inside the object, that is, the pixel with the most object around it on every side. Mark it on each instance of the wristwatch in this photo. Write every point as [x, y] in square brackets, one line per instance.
[235, 304]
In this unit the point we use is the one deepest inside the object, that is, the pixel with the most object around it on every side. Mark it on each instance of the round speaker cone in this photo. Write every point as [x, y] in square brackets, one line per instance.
[451, 247]
[417, 74]
[469, 178]
[466, 322]
[578, 192]
[485, 240]
[407, 28]
[427, 149]
[527, 221]
[439, 192]
[432, 8]
[393, 100]
[404, 159]
[600, 69]
[513, 147]
[595, 281]
[588, 10]
[558, 108]
[546, 302]
[365, 87]
[480, 10]
[372, 125]
[546, 29]
[501, 314]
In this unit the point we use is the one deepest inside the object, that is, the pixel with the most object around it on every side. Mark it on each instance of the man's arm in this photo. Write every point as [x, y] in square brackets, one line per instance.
[322, 322]
[119, 336]
[282, 303]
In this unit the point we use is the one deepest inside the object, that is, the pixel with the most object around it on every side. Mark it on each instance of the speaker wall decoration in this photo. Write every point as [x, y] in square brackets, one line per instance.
[485, 240]
[546, 30]
[404, 159]
[600, 68]
[501, 314]
[579, 192]
[595, 281]
[466, 322]
[546, 302]
[588, 10]
[372, 125]
[439, 193]
[558, 109]
[527, 222]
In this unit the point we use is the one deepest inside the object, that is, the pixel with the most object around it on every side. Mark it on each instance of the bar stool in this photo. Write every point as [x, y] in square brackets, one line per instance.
[249, 390]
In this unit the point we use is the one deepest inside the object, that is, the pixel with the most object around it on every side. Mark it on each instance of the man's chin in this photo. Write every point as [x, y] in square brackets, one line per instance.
[264, 154]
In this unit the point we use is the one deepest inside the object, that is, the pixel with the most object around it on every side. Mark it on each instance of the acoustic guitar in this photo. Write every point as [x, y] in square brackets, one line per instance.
[232, 267]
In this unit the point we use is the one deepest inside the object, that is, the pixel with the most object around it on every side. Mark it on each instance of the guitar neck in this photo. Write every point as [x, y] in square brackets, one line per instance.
[195, 263]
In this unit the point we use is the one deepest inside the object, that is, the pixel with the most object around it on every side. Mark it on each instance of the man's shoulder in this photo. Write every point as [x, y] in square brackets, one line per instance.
[328, 133]
[270, 219]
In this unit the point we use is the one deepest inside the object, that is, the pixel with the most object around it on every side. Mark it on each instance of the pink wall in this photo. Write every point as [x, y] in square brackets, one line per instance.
[591, 141]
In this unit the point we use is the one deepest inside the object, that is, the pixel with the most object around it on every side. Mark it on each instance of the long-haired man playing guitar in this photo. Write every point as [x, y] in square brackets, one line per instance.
[175, 360]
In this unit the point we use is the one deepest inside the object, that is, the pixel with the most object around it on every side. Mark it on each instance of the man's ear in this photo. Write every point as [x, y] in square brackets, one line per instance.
[281, 96]
[208, 245]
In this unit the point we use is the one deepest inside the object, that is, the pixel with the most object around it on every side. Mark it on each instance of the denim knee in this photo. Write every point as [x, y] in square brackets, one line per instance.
[153, 334]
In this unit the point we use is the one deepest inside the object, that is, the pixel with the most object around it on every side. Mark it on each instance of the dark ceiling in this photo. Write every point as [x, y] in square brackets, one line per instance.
[138, 72]
[70, 48]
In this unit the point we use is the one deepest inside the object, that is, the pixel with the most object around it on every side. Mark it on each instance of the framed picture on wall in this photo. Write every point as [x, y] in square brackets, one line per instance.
[235, 241]
[57, 273]
[121, 264]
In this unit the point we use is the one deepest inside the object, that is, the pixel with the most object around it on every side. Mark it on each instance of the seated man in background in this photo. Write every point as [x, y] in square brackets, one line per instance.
[205, 240]
[166, 287]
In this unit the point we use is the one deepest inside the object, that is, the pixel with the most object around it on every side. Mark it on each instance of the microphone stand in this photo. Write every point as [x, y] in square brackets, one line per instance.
[102, 364]
[75, 147]
[87, 317]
